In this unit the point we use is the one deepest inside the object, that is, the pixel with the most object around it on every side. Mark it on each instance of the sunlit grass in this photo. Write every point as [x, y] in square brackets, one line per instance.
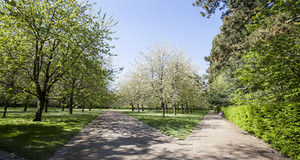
[39, 140]
[178, 126]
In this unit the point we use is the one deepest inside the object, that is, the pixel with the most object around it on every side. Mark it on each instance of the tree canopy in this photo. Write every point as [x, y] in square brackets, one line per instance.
[163, 76]
[50, 42]
[257, 50]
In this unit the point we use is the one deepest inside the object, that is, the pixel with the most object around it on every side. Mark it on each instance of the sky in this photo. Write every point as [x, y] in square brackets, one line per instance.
[142, 23]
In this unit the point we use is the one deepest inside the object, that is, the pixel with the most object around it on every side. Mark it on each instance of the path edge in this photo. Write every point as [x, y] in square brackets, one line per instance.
[63, 149]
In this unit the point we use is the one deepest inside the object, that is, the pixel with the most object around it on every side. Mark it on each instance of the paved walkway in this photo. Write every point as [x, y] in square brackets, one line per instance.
[114, 135]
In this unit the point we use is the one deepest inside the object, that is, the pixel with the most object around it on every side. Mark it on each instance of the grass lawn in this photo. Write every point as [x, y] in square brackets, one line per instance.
[39, 140]
[178, 126]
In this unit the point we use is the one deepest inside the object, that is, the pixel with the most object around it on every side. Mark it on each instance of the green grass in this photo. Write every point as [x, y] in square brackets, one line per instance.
[178, 126]
[39, 140]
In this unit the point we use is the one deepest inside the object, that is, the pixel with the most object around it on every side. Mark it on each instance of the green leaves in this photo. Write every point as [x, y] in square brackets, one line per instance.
[165, 76]
[255, 60]
[44, 40]
[276, 123]
[257, 51]
[272, 66]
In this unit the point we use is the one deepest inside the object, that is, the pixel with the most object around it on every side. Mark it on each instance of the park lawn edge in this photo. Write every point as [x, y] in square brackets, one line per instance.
[169, 125]
[40, 140]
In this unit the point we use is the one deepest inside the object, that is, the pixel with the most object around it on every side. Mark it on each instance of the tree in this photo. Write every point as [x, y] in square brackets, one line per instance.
[51, 37]
[162, 76]
[9, 79]
[271, 71]
[258, 40]
[127, 93]
[156, 62]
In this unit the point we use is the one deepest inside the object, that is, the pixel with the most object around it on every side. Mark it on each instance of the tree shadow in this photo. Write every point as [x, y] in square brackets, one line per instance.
[33, 140]
[119, 138]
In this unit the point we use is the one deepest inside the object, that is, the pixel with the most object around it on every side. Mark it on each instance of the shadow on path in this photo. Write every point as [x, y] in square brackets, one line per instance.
[114, 135]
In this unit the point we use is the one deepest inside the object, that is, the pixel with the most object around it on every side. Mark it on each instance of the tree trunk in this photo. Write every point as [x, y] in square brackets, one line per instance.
[72, 96]
[15, 103]
[186, 107]
[63, 104]
[143, 107]
[167, 109]
[182, 108]
[26, 103]
[46, 104]
[6, 103]
[71, 104]
[25, 107]
[40, 108]
[90, 108]
[138, 108]
[174, 109]
[132, 108]
[163, 109]
[82, 108]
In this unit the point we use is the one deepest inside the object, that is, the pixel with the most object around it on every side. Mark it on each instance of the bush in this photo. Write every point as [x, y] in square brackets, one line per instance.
[277, 124]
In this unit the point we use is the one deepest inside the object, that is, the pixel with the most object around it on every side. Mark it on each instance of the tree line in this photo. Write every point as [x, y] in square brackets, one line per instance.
[255, 59]
[54, 51]
[164, 77]
[254, 72]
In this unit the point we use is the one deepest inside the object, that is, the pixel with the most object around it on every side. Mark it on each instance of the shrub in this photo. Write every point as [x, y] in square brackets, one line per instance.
[277, 124]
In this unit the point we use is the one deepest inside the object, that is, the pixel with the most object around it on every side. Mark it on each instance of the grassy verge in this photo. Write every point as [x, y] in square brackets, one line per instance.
[39, 140]
[178, 126]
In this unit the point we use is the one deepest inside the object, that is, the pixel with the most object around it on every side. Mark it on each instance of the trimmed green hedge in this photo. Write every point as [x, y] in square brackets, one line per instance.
[277, 124]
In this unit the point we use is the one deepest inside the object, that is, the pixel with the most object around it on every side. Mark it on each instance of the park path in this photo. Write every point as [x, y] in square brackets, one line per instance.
[114, 135]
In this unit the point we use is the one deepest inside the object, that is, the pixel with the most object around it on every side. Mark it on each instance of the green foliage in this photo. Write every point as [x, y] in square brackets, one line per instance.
[255, 60]
[271, 71]
[259, 42]
[163, 76]
[220, 90]
[277, 124]
[178, 126]
[39, 140]
[44, 41]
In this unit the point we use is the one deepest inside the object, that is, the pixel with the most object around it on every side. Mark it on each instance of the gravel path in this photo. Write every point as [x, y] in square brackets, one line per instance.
[114, 135]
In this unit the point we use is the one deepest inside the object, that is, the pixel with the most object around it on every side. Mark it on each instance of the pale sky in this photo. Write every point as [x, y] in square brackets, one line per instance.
[142, 23]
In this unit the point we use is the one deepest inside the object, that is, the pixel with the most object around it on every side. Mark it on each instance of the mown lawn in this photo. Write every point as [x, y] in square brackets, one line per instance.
[39, 140]
[178, 126]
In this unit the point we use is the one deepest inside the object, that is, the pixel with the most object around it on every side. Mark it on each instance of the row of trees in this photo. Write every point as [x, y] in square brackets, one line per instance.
[255, 65]
[163, 76]
[255, 59]
[54, 50]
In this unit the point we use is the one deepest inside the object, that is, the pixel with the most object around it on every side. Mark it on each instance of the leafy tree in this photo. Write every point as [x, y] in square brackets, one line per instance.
[157, 61]
[257, 43]
[50, 37]
[162, 76]
[9, 79]
[255, 61]
[127, 92]
[271, 71]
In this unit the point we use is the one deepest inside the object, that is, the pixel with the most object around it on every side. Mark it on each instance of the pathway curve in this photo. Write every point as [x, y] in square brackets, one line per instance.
[114, 135]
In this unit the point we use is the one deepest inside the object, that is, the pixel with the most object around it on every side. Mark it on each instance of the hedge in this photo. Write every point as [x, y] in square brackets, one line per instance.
[277, 124]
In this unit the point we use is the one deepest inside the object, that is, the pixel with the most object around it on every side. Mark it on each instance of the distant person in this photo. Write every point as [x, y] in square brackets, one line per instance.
[221, 114]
